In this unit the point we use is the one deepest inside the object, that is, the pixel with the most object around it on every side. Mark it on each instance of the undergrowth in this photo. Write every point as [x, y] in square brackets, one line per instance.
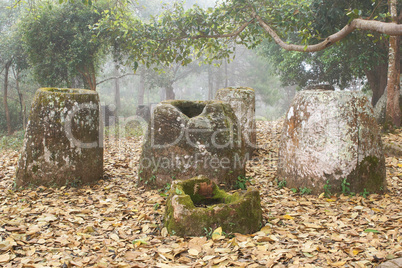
[13, 142]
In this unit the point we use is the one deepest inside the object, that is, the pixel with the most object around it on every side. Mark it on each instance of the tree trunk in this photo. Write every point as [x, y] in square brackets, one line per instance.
[20, 98]
[117, 100]
[170, 92]
[5, 97]
[377, 78]
[226, 75]
[89, 76]
[393, 114]
[141, 89]
[210, 83]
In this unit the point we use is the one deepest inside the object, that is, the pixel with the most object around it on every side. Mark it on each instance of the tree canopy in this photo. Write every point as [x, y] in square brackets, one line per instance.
[59, 43]
[362, 55]
[180, 35]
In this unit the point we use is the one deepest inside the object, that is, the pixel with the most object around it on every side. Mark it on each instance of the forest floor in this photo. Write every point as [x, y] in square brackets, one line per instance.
[116, 224]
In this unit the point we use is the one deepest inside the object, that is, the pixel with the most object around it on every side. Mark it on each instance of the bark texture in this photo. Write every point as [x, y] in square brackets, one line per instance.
[377, 78]
[5, 97]
[393, 114]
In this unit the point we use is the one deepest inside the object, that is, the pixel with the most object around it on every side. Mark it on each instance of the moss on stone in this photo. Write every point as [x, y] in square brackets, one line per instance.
[188, 141]
[238, 212]
[62, 145]
[372, 178]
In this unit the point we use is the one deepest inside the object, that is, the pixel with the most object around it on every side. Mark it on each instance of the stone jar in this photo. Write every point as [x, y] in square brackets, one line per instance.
[242, 101]
[197, 204]
[63, 143]
[331, 142]
[190, 138]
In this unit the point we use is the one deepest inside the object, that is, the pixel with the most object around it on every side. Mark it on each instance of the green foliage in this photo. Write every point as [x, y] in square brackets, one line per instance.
[371, 231]
[163, 192]
[327, 189]
[242, 182]
[208, 232]
[281, 184]
[13, 142]
[178, 191]
[345, 187]
[339, 65]
[59, 43]
[149, 180]
[304, 191]
[365, 193]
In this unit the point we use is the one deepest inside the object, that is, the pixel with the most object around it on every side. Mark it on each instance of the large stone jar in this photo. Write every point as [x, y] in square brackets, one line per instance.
[331, 142]
[190, 138]
[63, 141]
[242, 101]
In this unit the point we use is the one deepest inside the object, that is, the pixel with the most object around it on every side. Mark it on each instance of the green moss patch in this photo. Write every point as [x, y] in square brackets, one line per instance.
[198, 204]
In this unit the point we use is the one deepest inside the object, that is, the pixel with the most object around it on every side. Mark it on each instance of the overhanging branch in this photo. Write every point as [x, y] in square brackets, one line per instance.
[233, 34]
[115, 77]
[377, 26]
[200, 36]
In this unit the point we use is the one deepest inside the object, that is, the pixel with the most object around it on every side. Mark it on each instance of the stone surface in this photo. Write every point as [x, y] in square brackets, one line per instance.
[242, 100]
[329, 136]
[380, 108]
[396, 263]
[144, 111]
[108, 115]
[63, 140]
[191, 138]
[197, 204]
[321, 87]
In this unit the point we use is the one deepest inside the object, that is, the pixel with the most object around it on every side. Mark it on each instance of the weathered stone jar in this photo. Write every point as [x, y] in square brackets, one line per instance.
[63, 141]
[197, 204]
[242, 101]
[190, 138]
[331, 138]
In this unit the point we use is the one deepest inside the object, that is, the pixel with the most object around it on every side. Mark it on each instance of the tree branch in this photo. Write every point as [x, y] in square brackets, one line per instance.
[233, 34]
[381, 27]
[115, 77]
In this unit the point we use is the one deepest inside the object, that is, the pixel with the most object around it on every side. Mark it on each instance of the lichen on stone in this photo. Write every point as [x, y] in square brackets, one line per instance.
[190, 138]
[63, 140]
[242, 101]
[329, 136]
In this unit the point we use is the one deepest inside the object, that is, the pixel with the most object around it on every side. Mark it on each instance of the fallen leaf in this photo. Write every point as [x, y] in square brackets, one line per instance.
[288, 217]
[193, 252]
[5, 258]
[217, 234]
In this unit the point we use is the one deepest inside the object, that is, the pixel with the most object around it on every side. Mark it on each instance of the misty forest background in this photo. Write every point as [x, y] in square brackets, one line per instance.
[274, 73]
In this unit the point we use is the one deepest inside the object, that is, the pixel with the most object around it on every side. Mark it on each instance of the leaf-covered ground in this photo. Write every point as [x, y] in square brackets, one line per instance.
[116, 224]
